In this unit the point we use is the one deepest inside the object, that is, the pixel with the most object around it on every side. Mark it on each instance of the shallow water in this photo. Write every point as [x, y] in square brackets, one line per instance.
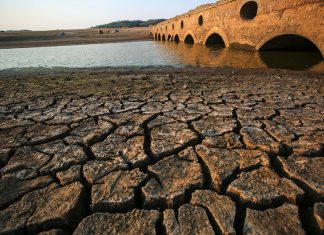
[149, 53]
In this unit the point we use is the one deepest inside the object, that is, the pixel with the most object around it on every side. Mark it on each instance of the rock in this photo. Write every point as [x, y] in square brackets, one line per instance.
[308, 172]
[89, 132]
[282, 220]
[310, 145]
[71, 155]
[26, 158]
[229, 141]
[174, 177]
[170, 222]
[181, 116]
[12, 137]
[168, 138]
[109, 149]
[95, 170]
[40, 133]
[42, 209]
[263, 187]
[256, 138]
[12, 188]
[222, 111]
[53, 232]
[115, 192]
[224, 164]
[319, 216]
[134, 222]
[4, 156]
[194, 220]
[50, 148]
[133, 152]
[71, 175]
[280, 132]
[222, 209]
[214, 126]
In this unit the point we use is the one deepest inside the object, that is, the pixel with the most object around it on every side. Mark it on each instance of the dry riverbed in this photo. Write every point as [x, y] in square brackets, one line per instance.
[71, 37]
[134, 151]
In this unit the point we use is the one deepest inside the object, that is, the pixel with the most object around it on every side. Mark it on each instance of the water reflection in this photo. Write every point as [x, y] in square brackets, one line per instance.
[203, 56]
[149, 53]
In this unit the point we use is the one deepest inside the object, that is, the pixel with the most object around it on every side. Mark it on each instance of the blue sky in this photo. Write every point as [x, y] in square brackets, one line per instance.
[73, 14]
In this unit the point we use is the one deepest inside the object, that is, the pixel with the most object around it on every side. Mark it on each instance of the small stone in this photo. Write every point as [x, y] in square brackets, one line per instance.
[134, 222]
[175, 177]
[308, 171]
[222, 209]
[263, 187]
[282, 220]
[69, 176]
[115, 192]
[194, 220]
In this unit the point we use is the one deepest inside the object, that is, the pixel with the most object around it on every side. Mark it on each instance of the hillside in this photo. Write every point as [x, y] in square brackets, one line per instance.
[130, 23]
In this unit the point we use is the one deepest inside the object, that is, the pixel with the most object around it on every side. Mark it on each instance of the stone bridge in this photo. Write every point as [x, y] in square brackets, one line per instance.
[253, 25]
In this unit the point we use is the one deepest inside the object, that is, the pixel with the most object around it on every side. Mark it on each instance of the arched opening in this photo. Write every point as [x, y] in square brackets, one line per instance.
[166, 28]
[182, 24]
[176, 38]
[163, 37]
[290, 51]
[289, 42]
[215, 40]
[200, 20]
[189, 39]
[159, 37]
[172, 26]
[169, 38]
[249, 10]
[155, 37]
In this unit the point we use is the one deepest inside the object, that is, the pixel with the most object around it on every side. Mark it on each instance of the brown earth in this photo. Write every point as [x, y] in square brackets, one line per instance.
[71, 37]
[154, 151]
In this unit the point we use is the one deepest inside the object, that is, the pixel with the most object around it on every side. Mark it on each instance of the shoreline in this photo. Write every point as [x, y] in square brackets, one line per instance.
[12, 40]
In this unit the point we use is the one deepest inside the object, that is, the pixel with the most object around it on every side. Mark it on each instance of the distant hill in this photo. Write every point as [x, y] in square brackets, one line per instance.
[130, 23]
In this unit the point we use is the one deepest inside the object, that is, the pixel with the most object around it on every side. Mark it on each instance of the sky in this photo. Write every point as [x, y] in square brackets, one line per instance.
[77, 14]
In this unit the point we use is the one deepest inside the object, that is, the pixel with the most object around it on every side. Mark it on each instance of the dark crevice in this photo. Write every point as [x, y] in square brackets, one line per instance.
[212, 220]
[205, 170]
[240, 216]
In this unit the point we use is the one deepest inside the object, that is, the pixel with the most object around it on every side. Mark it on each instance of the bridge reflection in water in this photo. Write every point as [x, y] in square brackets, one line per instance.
[217, 56]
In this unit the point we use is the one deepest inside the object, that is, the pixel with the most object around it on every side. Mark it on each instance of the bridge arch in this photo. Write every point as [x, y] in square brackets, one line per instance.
[219, 32]
[169, 38]
[176, 38]
[159, 37]
[289, 41]
[163, 37]
[187, 36]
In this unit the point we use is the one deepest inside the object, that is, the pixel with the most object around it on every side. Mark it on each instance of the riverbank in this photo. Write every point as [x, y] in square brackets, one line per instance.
[161, 150]
[71, 37]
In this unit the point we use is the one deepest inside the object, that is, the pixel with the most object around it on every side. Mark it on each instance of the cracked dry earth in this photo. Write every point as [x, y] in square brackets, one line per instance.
[162, 152]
